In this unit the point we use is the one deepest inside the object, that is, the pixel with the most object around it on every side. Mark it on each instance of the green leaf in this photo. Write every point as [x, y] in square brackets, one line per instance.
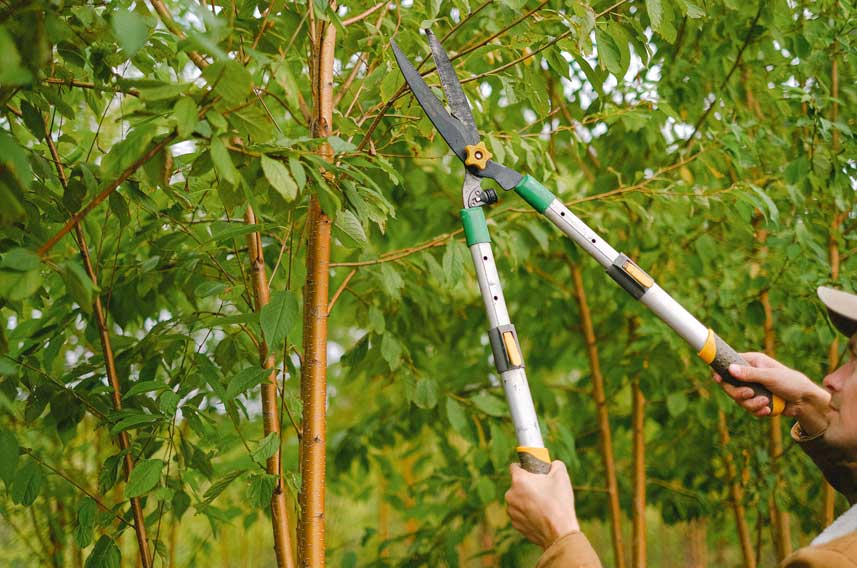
[19, 285]
[350, 225]
[223, 161]
[390, 84]
[609, 56]
[105, 554]
[168, 402]
[134, 420]
[280, 318]
[261, 490]
[73, 194]
[145, 477]
[28, 483]
[180, 503]
[425, 393]
[143, 387]
[692, 10]
[119, 207]
[79, 284]
[267, 447]
[246, 379]
[661, 17]
[656, 14]
[220, 485]
[298, 172]
[490, 405]
[109, 473]
[86, 513]
[130, 31]
[185, 114]
[455, 257]
[676, 403]
[485, 489]
[278, 176]
[124, 153]
[339, 145]
[21, 259]
[455, 415]
[391, 281]
[9, 452]
[230, 80]
[391, 351]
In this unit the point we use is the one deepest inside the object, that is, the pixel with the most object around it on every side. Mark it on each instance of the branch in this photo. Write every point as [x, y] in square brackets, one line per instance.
[74, 483]
[167, 19]
[401, 253]
[708, 110]
[340, 290]
[109, 362]
[364, 14]
[76, 218]
[88, 85]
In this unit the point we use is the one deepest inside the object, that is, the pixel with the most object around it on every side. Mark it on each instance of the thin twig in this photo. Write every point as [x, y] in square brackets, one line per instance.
[744, 45]
[340, 290]
[364, 15]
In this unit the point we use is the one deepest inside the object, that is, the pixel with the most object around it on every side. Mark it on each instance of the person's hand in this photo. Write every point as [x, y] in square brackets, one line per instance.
[541, 507]
[804, 399]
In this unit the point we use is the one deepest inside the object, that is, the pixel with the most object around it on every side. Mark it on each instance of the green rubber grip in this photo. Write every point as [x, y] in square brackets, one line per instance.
[534, 193]
[475, 227]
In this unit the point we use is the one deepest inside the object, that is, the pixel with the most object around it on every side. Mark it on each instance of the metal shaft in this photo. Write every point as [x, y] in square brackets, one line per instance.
[514, 379]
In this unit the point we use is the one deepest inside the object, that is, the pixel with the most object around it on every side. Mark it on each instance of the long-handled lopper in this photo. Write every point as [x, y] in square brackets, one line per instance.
[458, 129]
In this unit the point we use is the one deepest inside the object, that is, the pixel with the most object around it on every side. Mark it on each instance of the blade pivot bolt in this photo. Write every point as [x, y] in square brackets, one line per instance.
[477, 155]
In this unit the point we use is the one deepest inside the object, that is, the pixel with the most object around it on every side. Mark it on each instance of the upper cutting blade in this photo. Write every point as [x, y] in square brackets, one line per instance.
[450, 128]
[455, 97]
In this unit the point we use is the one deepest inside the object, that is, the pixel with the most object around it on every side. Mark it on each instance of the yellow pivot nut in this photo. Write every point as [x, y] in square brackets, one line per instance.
[477, 155]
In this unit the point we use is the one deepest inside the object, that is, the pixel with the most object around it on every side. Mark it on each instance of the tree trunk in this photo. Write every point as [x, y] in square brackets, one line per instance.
[599, 396]
[781, 528]
[486, 544]
[109, 362]
[833, 353]
[638, 518]
[736, 494]
[697, 544]
[314, 370]
[270, 412]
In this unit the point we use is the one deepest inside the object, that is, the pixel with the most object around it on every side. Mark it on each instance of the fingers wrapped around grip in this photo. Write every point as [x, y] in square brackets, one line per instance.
[725, 356]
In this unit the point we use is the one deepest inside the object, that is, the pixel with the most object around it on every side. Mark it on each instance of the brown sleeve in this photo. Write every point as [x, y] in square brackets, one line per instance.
[839, 465]
[839, 553]
[570, 551]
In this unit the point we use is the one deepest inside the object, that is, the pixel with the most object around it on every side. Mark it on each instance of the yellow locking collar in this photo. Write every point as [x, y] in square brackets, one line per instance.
[477, 155]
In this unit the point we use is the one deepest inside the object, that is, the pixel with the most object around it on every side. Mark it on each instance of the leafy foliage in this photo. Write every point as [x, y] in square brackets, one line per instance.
[704, 139]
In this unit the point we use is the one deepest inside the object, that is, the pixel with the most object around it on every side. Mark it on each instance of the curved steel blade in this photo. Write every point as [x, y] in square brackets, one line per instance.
[455, 97]
[449, 127]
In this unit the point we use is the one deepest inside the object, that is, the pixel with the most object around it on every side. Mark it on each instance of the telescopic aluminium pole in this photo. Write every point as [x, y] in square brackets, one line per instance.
[709, 346]
[508, 359]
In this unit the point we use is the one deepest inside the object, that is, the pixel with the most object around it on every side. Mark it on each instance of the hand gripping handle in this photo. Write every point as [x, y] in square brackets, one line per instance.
[719, 355]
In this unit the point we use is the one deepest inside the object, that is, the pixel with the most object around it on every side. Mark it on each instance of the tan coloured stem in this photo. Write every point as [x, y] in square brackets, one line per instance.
[109, 361]
[781, 523]
[316, 298]
[833, 352]
[736, 494]
[598, 394]
[314, 389]
[638, 514]
[270, 414]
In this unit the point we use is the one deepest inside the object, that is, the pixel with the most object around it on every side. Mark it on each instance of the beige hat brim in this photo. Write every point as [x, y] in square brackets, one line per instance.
[842, 308]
